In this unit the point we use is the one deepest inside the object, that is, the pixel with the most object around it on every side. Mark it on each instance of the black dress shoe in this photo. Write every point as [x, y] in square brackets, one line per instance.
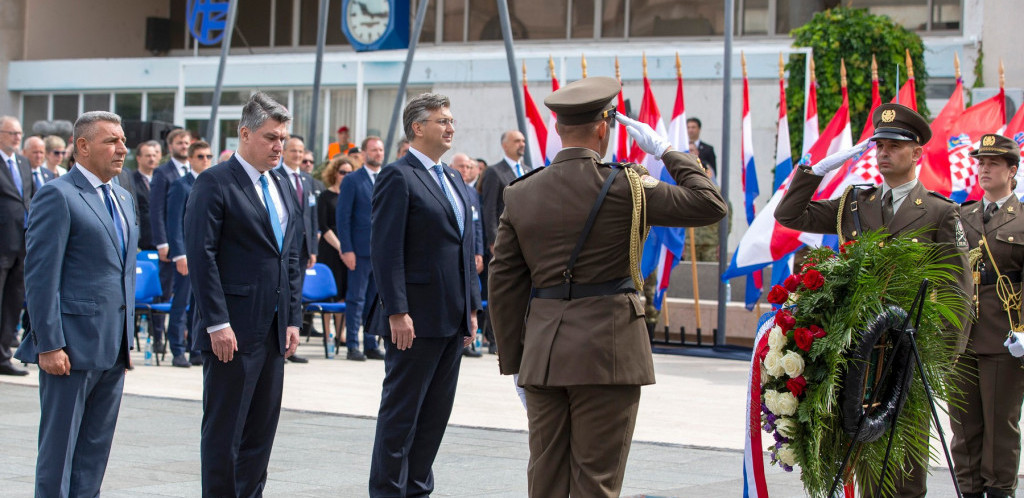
[180, 361]
[196, 360]
[8, 368]
[471, 352]
[355, 355]
[374, 354]
[297, 359]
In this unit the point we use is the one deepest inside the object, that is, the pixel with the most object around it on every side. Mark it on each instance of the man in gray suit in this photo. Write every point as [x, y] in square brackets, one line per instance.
[80, 287]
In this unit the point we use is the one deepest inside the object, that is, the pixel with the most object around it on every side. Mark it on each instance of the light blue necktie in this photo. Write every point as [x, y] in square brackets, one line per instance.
[16, 177]
[519, 171]
[275, 222]
[37, 178]
[448, 194]
[118, 226]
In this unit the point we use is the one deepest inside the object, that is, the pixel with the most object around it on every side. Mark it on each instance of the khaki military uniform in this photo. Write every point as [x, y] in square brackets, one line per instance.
[986, 439]
[582, 361]
[920, 209]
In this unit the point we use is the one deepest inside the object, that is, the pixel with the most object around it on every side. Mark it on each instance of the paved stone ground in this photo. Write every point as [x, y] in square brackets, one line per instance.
[156, 453]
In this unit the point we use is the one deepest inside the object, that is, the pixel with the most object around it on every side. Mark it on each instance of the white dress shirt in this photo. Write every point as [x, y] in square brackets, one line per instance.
[428, 163]
[96, 184]
[899, 193]
[181, 167]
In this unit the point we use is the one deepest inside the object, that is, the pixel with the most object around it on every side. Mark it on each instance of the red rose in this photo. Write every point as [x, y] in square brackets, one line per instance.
[818, 332]
[792, 282]
[846, 244]
[813, 279]
[778, 295]
[804, 338]
[797, 385]
[784, 319]
[808, 265]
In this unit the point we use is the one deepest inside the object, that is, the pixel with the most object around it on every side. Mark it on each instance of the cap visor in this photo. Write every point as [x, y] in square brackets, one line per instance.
[891, 136]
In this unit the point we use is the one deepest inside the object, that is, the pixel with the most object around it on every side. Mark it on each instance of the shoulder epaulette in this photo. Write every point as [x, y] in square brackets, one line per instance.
[526, 175]
[940, 196]
[968, 203]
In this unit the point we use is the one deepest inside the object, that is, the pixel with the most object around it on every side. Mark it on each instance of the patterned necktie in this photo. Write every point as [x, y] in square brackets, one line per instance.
[887, 207]
[298, 187]
[16, 177]
[118, 226]
[275, 222]
[990, 211]
[447, 193]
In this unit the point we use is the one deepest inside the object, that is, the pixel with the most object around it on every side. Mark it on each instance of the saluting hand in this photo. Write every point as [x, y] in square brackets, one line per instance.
[837, 159]
[645, 136]
[55, 362]
[402, 332]
[224, 344]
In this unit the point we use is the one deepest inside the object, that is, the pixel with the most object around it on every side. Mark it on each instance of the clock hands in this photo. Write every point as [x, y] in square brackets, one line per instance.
[366, 10]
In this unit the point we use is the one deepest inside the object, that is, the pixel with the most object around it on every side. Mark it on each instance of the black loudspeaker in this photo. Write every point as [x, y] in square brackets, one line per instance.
[158, 35]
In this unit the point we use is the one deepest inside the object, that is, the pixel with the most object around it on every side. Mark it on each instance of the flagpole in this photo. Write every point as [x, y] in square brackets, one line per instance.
[225, 47]
[510, 55]
[691, 234]
[421, 13]
[321, 39]
[723, 226]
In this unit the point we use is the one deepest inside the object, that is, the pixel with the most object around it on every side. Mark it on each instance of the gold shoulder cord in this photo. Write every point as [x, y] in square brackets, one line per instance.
[638, 225]
[1004, 288]
[839, 214]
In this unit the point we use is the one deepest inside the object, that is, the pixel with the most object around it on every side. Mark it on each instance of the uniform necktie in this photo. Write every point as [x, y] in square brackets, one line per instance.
[298, 187]
[275, 222]
[519, 171]
[887, 207]
[114, 217]
[448, 194]
[16, 177]
[990, 211]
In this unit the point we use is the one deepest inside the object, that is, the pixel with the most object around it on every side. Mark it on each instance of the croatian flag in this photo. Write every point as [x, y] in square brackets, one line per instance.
[782, 268]
[811, 122]
[934, 171]
[1015, 130]
[664, 245]
[750, 191]
[553, 144]
[620, 153]
[988, 116]
[537, 132]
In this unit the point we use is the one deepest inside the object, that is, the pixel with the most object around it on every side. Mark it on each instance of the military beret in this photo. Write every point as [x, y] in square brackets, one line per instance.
[899, 122]
[584, 101]
[998, 145]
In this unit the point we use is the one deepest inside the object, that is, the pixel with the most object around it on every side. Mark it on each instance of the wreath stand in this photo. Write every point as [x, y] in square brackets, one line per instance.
[905, 333]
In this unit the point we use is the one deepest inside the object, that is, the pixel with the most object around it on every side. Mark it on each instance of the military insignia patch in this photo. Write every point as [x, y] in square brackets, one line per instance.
[961, 239]
[917, 202]
[888, 116]
[1009, 209]
[989, 140]
[649, 181]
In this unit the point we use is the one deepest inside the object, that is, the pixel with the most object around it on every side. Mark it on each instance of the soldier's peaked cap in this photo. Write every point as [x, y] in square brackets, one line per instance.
[998, 145]
[584, 101]
[899, 122]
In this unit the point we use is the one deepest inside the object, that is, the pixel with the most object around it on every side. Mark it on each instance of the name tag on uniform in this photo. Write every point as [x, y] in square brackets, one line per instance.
[312, 200]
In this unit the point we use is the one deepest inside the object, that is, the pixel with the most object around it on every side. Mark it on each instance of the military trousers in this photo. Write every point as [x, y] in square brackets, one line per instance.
[986, 437]
[579, 439]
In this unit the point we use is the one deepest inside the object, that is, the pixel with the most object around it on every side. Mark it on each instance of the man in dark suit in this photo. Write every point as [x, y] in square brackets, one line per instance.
[16, 189]
[467, 167]
[353, 221]
[497, 177]
[35, 151]
[242, 238]
[199, 158]
[300, 185]
[423, 245]
[704, 151]
[308, 165]
[147, 155]
[176, 167]
[80, 270]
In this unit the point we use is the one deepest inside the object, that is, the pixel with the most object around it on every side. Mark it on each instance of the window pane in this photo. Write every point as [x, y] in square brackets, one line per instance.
[454, 20]
[96, 102]
[613, 20]
[380, 103]
[582, 19]
[301, 111]
[283, 24]
[197, 127]
[308, 23]
[280, 96]
[66, 107]
[227, 97]
[429, 31]
[755, 17]
[946, 15]
[343, 113]
[128, 105]
[675, 18]
[160, 107]
[911, 14]
[484, 23]
[252, 26]
[33, 109]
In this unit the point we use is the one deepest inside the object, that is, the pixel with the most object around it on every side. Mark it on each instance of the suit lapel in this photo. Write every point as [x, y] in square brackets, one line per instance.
[1005, 214]
[429, 181]
[971, 219]
[95, 202]
[870, 208]
[912, 208]
[290, 206]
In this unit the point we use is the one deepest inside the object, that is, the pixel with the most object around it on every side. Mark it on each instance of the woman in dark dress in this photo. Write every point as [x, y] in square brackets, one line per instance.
[329, 250]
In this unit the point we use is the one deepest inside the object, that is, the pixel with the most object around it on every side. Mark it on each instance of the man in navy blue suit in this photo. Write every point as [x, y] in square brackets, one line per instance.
[469, 170]
[80, 283]
[199, 158]
[353, 223]
[176, 167]
[423, 245]
[242, 232]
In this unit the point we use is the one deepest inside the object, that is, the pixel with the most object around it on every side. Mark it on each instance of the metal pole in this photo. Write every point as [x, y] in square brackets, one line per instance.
[225, 47]
[321, 39]
[723, 226]
[421, 12]
[517, 97]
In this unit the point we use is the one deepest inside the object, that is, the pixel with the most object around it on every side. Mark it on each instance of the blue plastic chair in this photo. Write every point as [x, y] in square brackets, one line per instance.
[316, 289]
[147, 289]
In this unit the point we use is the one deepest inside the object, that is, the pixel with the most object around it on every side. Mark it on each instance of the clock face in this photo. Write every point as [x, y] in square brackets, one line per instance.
[367, 20]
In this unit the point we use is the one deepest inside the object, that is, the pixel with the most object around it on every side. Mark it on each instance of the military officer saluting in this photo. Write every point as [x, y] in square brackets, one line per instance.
[899, 205]
[986, 440]
[562, 287]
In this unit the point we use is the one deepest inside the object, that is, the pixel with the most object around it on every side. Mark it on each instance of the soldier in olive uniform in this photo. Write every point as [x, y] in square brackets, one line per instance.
[899, 205]
[986, 438]
[564, 304]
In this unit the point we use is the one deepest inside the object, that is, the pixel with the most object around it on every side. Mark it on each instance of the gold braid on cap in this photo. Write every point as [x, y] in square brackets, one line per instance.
[638, 224]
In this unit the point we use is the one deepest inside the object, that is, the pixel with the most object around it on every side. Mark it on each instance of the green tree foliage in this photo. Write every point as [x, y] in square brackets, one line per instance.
[854, 35]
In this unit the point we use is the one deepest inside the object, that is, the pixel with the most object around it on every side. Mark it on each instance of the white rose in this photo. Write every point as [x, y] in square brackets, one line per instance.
[776, 339]
[793, 364]
[786, 426]
[771, 398]
[786, 404]
[773, 363]
[764, 374]
[787, 455]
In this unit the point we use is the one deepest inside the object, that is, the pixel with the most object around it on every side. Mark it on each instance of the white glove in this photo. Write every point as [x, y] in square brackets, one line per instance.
[519, 390]
[1015, 343]
[644, 136]
[838, 158]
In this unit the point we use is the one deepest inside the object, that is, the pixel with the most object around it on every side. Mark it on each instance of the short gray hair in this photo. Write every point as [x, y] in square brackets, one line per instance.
[419, 109]
[86, 122]
[258, 109]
